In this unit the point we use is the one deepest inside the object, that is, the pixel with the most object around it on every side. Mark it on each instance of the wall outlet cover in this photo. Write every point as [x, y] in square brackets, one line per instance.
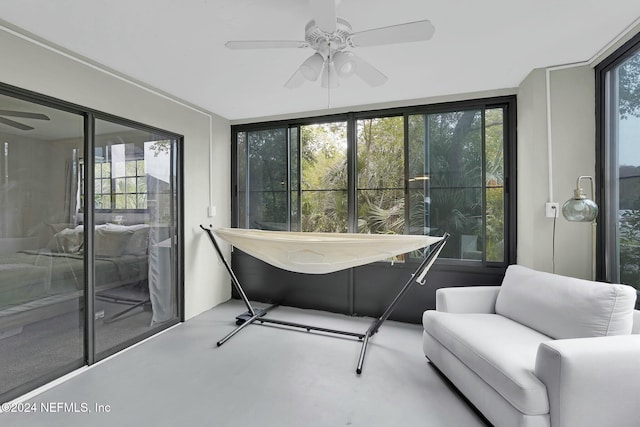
[552, 209]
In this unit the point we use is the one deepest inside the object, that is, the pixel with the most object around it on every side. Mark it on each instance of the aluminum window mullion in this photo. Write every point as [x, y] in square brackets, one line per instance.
[483, 196]
[407, 202]
[299, 171]
[89, 222]
[352, 175]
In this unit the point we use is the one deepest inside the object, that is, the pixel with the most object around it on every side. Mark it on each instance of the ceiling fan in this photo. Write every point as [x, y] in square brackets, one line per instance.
[331, 37]
[22, 115]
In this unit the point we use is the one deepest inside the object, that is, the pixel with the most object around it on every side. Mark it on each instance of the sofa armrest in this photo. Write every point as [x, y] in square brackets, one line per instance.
[467, 299]
[591, 381]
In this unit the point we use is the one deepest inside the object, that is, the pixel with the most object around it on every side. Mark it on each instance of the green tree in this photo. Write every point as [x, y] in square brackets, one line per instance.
[267, 164]
[629, 87]
[445, 152]
[324, 177]
[380, 180]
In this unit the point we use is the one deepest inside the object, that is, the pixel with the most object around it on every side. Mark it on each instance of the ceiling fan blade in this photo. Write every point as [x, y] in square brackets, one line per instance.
[324, 13]
[15, 124]
[367, 72]
[295, 81]
[401, 33]
[24, 115]
[265, 44]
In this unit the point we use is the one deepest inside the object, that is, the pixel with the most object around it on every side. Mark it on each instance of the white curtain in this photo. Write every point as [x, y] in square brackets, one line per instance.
[158, 167]
[71, 193]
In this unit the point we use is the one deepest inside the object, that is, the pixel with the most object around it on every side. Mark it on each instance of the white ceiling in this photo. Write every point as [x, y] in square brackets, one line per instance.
[178, 46]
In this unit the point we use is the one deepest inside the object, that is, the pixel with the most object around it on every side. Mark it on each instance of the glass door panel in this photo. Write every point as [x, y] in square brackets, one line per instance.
[135, 234]
[42, 269]
[624, 152]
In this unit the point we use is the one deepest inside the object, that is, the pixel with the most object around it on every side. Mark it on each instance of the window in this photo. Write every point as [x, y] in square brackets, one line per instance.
[120, 176]
[264, 179]
[380, 183]
[456, 181]
[618, 80]
[323, 177]
[419, 170]
[120, 184]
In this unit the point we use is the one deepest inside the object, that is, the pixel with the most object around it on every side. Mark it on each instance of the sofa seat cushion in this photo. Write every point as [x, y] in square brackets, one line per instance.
[499, 350]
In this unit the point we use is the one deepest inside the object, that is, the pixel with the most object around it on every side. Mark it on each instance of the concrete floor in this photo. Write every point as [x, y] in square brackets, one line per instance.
[263, 376]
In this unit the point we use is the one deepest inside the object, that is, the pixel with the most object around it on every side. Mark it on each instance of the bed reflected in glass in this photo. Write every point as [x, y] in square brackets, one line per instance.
[41, 271]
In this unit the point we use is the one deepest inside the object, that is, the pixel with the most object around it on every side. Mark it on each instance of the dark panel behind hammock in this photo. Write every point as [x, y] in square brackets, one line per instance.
[361, 291]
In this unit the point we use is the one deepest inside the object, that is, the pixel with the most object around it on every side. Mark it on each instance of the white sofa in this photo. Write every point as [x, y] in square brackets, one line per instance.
[540, 350]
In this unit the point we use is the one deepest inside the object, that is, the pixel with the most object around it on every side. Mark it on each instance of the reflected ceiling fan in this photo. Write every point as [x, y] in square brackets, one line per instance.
[20, 114]
[331, 38]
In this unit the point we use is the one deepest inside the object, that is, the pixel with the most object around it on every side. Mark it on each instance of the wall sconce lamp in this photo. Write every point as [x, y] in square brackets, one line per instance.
[581, 209]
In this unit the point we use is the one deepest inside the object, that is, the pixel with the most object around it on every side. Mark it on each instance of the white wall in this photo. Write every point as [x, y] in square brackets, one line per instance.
[26, 189]
[41, 68]
[572, 105]
[573, 154]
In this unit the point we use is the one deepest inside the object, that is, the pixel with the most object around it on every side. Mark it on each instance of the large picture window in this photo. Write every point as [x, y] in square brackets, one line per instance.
[422, 170]
[618, 80]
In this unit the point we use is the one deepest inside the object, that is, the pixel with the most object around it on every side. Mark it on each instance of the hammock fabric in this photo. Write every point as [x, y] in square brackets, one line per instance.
[320, 253]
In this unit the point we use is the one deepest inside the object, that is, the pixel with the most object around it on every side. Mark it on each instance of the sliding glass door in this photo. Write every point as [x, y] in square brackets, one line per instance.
[42, 268]
[89, 232]
[135, 216]
[618, 79]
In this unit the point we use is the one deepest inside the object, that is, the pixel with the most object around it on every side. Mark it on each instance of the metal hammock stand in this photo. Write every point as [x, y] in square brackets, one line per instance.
[253, 315]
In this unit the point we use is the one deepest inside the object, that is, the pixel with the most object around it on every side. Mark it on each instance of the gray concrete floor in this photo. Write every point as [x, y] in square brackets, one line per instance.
[263, 376]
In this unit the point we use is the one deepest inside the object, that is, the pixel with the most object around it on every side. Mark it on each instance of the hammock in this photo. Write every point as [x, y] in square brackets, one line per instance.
[320, 253]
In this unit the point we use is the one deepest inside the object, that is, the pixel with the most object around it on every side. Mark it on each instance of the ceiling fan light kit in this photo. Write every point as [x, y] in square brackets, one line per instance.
[330, 37]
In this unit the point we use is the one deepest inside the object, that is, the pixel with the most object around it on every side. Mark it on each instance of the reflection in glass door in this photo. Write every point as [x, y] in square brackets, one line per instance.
[134, 235]
[42, 268]
[69, 297]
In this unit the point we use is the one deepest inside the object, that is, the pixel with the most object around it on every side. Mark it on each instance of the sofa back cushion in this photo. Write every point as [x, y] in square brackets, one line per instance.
[565, 307]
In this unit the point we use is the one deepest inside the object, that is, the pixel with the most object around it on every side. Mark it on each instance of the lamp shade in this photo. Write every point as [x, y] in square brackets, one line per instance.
[312, 67]
[579, 208]
[345, 66]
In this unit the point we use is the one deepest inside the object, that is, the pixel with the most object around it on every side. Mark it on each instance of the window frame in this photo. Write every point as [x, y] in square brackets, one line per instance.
[508, 103]
[111, 193]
